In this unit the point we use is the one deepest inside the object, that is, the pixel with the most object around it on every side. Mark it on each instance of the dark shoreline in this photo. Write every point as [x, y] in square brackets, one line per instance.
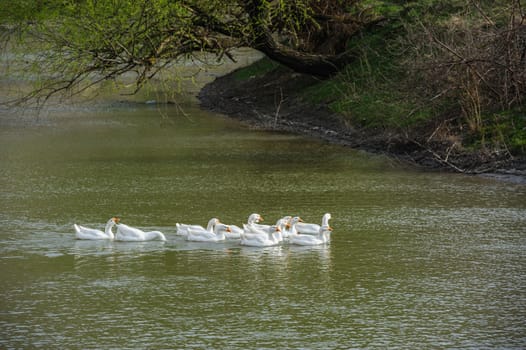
[269, 102]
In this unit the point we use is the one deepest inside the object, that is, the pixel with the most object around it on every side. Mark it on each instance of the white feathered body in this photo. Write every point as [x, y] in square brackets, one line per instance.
[132, 234]
[87, 233]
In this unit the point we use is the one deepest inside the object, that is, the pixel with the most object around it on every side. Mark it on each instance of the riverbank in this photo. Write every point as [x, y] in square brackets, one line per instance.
[272, 101]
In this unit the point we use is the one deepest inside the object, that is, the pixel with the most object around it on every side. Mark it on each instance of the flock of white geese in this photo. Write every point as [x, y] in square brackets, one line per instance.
[253, 233]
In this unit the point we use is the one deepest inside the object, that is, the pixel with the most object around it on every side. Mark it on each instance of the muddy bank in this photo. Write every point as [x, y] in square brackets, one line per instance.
[271, 102]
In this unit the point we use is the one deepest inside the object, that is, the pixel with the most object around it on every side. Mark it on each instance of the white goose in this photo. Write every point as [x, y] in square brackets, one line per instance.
[322, 237]
[255, 227]
[202, 235]
[282, 225]
[313, 229]
[182, 229]
[262, 239]
[236, 231]
[292, 225]
[254, 220]
[82, 232]
[132, 234]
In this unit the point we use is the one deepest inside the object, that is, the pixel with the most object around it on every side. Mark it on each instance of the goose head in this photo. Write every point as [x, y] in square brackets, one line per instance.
[283, 223]
[292, 224]
[254, 218]
[112, 222]
[212, 223]
[109, 226]
[219, 227]
[325, 219]
[285, 219]
[295, 220]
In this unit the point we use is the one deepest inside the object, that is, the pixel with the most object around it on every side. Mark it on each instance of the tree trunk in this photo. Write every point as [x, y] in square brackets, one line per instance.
[314, 64]
[322, 66]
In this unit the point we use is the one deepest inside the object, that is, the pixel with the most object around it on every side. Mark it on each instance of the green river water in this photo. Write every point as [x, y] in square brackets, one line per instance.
[417, 260]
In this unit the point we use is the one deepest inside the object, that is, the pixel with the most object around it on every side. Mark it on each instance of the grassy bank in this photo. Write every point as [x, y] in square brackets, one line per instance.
[452, 83]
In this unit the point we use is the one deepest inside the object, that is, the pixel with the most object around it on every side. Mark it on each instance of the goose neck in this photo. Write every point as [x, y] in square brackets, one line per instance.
[325, 219]
[211, 225]
[108, 229]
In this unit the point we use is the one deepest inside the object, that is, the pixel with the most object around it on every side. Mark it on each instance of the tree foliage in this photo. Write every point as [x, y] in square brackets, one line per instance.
[81, 43]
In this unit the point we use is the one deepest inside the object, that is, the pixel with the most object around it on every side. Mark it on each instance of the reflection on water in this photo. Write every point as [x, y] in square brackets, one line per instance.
[417, 260]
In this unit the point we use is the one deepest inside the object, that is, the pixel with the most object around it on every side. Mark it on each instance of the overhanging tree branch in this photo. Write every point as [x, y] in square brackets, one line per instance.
[113, 38]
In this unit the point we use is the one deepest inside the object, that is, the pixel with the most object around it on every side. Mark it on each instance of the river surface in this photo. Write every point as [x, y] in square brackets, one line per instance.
[417, 260]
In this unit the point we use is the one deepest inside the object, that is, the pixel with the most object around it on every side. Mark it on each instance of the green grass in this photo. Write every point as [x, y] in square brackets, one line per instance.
[370, 92]
[325, 92]
[505, 130]
[378, 91]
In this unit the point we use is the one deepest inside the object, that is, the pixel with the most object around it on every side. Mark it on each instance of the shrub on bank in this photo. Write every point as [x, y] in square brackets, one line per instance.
[449, 73]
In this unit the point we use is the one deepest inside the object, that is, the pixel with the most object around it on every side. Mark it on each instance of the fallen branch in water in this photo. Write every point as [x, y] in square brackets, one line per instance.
[445, 161]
